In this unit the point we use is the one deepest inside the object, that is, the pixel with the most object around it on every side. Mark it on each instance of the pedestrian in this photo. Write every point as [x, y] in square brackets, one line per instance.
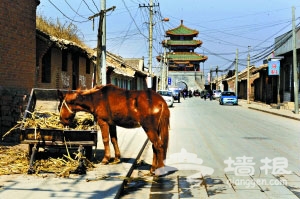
[210, 94]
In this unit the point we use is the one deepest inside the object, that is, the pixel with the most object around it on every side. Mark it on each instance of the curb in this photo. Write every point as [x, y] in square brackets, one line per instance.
[278, 114]
[118, 194]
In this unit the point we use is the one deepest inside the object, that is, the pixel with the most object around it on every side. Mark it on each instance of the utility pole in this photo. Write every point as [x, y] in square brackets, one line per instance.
[162, 82]
[150, 6]
[103, 47]
[248, 77]
[150, 36]
[164, 70]
[210, 78]
[236, 71]
[101, 44]
[295, 65]
[217, 69]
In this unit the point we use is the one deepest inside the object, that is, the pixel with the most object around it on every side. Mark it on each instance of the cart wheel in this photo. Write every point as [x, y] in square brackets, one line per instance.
[88, 152]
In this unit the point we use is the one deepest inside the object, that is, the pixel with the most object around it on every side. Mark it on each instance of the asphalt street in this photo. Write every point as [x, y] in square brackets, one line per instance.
[225, 152]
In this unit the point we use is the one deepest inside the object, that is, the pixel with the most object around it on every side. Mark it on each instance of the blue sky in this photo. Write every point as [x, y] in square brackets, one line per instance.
[224, 26]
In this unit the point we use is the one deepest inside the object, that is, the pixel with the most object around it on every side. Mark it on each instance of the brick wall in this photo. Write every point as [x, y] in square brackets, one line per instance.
[17, 43]
[17, 57]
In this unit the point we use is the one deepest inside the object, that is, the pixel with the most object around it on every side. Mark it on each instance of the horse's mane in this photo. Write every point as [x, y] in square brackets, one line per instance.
[90, 91]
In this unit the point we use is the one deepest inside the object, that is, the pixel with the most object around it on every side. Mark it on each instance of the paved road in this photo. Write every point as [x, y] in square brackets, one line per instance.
[259, 151]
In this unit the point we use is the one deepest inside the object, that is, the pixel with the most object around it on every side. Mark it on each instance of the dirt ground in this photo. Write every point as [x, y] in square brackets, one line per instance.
[14, 159]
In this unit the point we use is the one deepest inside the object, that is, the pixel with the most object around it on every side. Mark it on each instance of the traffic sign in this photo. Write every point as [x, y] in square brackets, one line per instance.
[169, 80]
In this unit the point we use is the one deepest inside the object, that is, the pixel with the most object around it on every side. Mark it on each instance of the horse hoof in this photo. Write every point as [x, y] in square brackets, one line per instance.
[150, 174]
[104, 162]
[116, 161]
[152, 171]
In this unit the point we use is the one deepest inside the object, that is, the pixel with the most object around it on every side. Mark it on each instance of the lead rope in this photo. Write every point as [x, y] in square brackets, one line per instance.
[64, 103]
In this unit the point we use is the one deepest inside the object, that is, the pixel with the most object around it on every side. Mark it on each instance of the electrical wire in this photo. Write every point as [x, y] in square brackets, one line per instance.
[65, 14]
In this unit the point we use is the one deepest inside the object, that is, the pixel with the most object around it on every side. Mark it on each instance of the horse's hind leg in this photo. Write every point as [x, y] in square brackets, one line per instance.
[114, 141]
[158, 151]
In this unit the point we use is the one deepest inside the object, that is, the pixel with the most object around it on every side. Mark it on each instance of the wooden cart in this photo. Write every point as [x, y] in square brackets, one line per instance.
[40, 102]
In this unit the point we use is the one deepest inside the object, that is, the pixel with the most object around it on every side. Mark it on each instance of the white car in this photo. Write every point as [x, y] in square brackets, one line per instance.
[168, 96]
[216, 94]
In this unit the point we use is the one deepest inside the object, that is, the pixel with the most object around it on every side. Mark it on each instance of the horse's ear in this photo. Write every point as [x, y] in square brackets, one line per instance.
[60, 95]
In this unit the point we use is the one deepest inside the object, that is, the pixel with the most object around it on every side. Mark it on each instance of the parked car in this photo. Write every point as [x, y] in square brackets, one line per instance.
[168, 96]
[228, 97]
[216, 94]
[196, 93]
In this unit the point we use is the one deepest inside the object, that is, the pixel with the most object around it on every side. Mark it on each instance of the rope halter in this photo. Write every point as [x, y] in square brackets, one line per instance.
[64, 103]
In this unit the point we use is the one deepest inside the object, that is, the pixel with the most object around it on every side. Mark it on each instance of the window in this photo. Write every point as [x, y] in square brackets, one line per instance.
[46, 67]
[64, 64]
[87, 66]
[287, 79]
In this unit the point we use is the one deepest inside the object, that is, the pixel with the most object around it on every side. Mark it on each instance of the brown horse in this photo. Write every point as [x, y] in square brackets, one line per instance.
[113, 106]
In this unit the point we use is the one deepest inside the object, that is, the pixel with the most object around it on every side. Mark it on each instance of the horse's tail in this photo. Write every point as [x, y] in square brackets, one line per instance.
[163, 128]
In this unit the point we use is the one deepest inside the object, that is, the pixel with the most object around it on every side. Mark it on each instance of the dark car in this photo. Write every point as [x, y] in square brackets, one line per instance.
[228, 97]
[196, 93]
[176, 95]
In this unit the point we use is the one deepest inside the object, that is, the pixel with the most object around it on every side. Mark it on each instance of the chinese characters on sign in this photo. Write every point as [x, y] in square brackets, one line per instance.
[274, 67]
[244, 166]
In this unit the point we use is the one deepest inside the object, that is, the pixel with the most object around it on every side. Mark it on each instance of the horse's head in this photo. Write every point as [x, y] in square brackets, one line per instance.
[66, 107]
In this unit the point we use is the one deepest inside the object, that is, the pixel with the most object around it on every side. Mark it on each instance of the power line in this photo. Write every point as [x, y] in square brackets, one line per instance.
[76, 12]
[65, 14]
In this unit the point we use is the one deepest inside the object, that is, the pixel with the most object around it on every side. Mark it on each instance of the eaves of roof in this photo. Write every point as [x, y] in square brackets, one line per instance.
[63, 43]
[183, 43]
[186, 56]
[182, 30]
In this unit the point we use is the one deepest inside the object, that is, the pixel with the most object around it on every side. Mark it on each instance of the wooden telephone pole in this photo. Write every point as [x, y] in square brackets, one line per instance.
[101, 44]
[295, 65]
[150, 6]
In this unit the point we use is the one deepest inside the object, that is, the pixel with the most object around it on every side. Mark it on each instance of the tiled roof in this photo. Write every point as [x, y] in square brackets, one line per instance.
[186, 56]
[183, 43]
[182, 30]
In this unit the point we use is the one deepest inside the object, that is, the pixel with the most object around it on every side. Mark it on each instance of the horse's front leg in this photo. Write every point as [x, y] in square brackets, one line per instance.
[105, 138]
[114, 141]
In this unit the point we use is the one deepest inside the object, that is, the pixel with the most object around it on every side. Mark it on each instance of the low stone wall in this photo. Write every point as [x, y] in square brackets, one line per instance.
[13, 103]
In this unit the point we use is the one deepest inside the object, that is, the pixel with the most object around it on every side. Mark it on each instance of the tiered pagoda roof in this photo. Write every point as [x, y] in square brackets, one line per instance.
[182, 31]
[196, 43]
[182, 45]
